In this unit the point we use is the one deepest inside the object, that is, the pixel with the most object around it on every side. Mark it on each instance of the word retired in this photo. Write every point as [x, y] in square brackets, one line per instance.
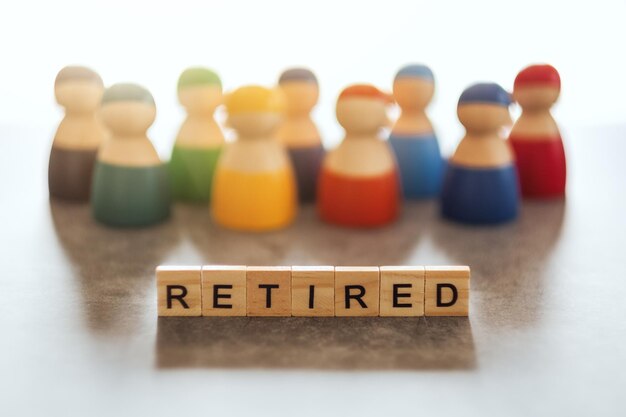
[341, 291]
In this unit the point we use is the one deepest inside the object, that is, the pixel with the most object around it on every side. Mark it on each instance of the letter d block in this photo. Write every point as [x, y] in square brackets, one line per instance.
[179, 290]
[223, 290]
[447, 290]
[268, 290]
[356, 291]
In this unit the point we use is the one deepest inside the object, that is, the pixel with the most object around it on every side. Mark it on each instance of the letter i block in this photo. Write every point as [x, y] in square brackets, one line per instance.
[401, 291]
[356, 291]
[179, 290]
[312, 291]
[223, 290]
[268, 290]
[447, 290]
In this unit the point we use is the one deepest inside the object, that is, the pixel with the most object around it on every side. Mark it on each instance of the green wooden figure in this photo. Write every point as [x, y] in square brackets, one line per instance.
[200, 139]
[130, 184]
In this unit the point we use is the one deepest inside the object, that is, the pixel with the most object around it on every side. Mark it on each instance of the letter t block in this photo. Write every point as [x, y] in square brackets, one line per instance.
[269, 290]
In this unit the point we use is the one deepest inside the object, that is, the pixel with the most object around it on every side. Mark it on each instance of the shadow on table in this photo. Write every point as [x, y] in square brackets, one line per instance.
[309, 241]
[511, 264]
[113, 267]
[432, 343]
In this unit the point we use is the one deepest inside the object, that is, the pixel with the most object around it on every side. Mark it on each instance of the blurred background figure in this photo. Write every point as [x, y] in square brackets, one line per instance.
[298, 131]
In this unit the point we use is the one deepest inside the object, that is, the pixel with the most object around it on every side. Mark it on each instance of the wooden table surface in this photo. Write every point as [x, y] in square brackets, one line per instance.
[545, 336]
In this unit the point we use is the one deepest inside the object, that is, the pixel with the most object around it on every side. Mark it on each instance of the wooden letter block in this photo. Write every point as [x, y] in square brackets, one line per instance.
[269, 290]
[223, 290]
[447, 290]
[356, 291]
[312, 291]
[179, 290]
[401, 291]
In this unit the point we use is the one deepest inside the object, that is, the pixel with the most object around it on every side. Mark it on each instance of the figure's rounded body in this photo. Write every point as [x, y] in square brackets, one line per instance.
[359, 184]
[200, 140]
[412, 138]
[535, 137]
[298, 132]
[481, 185]
[130, 185]
[80, 133]
[254, 186]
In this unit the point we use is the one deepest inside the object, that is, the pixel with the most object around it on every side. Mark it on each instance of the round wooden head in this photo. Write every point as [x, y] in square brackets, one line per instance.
[362, 108]
[301, 90]
[484, 107]
[537, 87]
[254, 111]
[78, 89]
[199, 90]
[413, 87]
[127, 109]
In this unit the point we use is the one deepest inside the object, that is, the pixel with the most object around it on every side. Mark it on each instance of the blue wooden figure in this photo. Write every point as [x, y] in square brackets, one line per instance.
[481, 185]
[412, 137]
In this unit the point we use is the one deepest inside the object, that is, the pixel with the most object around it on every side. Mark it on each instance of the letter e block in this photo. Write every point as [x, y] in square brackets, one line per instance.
[268, 290]
[223, 290]
[356, 291]
[447, 290]
[401, 291]
[312, 291]
[179, 290]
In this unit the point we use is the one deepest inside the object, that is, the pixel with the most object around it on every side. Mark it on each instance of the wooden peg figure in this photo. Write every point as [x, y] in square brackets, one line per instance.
[535, 136]
[200, 139]
[298, 131]
[412, 137]
[359, 183]
[80, 133]
[480, 185]
[130, 185]
[254, 187]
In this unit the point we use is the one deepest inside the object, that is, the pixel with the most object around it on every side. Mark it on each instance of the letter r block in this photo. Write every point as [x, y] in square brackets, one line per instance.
[223, 290]
[179, 290]
[268, 290]
[446, 290]
[356, 291]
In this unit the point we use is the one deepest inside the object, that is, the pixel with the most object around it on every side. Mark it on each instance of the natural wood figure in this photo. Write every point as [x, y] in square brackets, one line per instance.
[254, 187]
[200, 139]
[298, 131]
[412, 137]
[72, 157]
[359, 184]
[130, 185]
[481, 185]
[535, 136]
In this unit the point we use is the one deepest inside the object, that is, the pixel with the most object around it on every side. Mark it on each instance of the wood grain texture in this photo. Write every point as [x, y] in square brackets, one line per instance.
[229, 297]
[401, 291]
[179, 290]
[268, 291]
[356, 291]
[451, 283]
[318, 300]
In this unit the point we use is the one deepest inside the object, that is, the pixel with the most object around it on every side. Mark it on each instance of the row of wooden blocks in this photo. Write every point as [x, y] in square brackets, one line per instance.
[390, 291]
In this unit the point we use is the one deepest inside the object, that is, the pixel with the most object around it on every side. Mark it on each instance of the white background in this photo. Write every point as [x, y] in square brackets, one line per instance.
[151, 42]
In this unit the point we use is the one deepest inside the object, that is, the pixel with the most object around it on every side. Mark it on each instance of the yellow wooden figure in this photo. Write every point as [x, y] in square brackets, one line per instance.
[254, 186]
